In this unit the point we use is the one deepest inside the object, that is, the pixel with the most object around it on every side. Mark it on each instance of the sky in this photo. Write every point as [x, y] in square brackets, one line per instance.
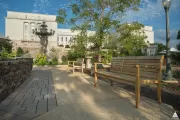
[151, 13]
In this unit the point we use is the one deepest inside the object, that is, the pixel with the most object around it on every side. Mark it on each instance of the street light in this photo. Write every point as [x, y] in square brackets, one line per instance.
[168, 76]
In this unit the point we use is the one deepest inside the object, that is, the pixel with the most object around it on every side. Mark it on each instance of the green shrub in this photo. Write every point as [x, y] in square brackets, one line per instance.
[73, 55]
[64, 60]
[41, 59]
[7, 44]
[20, 52]
[4, 54]
[12, 55]
[107, 59]
[55, 61]
[176, 74]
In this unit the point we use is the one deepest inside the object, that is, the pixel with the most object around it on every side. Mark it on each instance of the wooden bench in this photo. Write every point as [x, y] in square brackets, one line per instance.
[134, 71]
[78, 64]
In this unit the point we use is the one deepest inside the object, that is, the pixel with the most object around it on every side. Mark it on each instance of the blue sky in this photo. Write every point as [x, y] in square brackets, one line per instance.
[150, 13]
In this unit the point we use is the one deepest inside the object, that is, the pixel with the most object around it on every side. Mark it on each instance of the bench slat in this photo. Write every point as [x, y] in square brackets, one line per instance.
[130, 79]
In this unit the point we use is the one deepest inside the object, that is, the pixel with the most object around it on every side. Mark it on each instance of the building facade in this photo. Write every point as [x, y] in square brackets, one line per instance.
[19, 28]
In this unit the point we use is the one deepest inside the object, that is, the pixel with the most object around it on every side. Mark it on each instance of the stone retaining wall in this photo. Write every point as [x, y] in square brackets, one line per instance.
[12, 74]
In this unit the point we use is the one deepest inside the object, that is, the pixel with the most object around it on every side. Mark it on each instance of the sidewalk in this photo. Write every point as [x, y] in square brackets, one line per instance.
[77, 99]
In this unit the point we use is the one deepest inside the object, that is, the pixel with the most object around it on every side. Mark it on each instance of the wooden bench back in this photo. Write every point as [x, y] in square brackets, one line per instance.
[124, 65]
[80, 60]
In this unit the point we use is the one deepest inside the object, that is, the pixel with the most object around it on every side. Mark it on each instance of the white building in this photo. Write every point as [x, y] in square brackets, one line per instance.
[19, 27]
[149, 33]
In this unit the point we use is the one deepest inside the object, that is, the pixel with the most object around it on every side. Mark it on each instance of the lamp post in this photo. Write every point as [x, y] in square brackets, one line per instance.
[43, 35]
[168, 76]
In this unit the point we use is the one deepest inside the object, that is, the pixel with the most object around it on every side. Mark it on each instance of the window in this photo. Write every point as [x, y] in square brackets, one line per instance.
[66, 40]
[57, 38]
[25, 31]
[38, 26]
[62, 39]
[31, 31]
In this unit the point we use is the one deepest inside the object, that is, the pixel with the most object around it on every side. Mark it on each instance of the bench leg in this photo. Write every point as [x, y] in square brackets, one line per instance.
[159, 92]
[111, 83]
[95, 80]
[73, 69]
[137, 89]
[82, 70]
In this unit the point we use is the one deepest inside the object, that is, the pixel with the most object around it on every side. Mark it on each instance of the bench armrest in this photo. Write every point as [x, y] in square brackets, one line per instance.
[95, 66]
[98, 63]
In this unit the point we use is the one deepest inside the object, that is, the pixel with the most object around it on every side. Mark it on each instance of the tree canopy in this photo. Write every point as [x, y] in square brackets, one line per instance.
[178, 35]
[100, 16]
[129, 39]
[160, 47]
[6, 44]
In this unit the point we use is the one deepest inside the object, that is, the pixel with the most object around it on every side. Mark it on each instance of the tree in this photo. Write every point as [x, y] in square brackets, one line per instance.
[160, 47]
[131, 38]
[79, 50]
[6, 44]
[19, 52]
[176, 56]
[178, 35]
[100, 16]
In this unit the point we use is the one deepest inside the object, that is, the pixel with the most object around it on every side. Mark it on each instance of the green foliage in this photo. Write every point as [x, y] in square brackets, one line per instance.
[20, 52]
[27, 51]
[160, 47]
[74, 54]
[6, 44]
[106, 58]
[54, 61]
[178, 35]
[12, 55]
[176, 56]
[64, 60]
[41, 59]
[130, 39]
[176, 74]
[4, 54]
[96, 15]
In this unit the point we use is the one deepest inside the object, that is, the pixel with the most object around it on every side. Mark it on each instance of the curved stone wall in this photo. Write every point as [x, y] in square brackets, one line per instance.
[13, 73]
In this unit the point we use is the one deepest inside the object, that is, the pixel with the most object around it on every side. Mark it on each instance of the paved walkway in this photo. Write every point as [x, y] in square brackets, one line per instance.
[33, 98]
[77, 99]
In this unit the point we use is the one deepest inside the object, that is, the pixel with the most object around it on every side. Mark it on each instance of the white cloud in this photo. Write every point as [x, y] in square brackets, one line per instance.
[148, 10]
[41, 6]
